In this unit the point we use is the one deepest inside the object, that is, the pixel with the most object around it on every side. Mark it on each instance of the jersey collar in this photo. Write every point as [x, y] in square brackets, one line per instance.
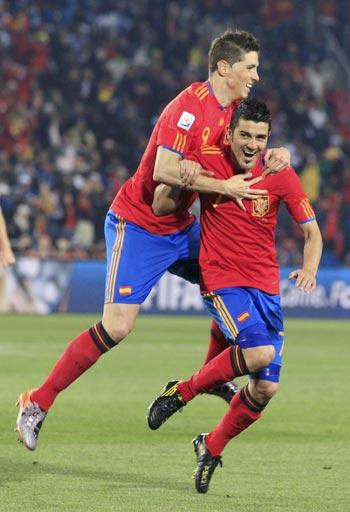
[221, 107]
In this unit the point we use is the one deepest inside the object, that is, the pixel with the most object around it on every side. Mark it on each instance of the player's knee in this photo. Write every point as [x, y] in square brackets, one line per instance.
[119, 329]
[259, 357]
[263, 391]
[266, 390]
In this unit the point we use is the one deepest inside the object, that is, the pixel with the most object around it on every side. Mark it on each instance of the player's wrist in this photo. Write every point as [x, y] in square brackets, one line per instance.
[222, 187]
[310, 270]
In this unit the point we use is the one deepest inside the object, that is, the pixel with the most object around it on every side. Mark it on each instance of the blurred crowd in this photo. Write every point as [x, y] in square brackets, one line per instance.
[83, 81]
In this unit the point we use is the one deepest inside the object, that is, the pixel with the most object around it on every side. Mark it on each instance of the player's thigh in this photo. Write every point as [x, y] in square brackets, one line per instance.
[136, 260]
[189, 242]
[119, 319]
[269, 308]
[234, 311]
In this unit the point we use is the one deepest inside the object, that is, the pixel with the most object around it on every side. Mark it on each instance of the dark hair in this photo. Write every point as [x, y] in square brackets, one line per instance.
[251, 109]
[230, 46]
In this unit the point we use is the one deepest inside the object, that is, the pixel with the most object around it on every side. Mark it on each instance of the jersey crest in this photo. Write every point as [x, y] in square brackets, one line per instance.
[261, 206]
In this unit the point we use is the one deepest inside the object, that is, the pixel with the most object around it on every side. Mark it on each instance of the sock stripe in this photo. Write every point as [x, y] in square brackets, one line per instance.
[233, 360]
[249, 401]
[97, 339]
[242, 362]
[101, 338]
[106, 337]
[237, 359]
[238, 362]
[117, 249]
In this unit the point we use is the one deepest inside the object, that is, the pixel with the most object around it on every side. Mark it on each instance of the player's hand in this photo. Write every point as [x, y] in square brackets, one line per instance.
[7, 258]
[189, 172]
[305, 279]
[239, 187]
[276, 160]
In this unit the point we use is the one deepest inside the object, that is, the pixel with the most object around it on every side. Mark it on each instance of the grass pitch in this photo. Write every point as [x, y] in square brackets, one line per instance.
[96, 452]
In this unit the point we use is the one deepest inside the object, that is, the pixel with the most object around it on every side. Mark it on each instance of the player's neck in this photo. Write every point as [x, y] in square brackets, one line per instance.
[221, 91]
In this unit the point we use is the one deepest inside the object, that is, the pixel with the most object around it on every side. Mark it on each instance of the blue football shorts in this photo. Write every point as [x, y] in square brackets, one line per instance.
[250, 318]
[137, 259]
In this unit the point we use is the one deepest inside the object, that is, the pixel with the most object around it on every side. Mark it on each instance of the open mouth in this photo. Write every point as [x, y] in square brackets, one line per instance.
[249, 154]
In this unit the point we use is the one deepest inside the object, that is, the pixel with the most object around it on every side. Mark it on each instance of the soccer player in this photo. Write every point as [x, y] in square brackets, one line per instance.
[240, 284]
[7, 259]
[140, 245]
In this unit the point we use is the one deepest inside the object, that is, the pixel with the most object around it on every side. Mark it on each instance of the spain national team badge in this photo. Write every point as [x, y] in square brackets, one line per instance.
[261, 206]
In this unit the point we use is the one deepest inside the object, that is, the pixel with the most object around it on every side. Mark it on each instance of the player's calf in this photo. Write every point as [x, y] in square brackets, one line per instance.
[225, 391]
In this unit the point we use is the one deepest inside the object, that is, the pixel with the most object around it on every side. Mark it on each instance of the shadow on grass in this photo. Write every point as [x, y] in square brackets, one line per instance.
[11, 472]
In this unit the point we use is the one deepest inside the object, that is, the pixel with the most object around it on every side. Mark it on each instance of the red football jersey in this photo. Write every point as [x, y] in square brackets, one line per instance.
[193, 120]
[237, 247]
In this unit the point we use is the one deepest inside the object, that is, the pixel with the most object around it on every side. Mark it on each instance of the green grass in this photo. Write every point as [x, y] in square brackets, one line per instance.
[97, 454]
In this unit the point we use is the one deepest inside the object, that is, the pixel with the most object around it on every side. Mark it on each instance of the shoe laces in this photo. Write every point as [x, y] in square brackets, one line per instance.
[32, 410]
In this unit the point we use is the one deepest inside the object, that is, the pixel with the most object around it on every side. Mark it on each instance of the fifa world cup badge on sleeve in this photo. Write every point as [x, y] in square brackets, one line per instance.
[186, 120]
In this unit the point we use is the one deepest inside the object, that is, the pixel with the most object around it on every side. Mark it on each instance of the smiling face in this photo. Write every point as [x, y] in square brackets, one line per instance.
[247, 141]
[240, 76]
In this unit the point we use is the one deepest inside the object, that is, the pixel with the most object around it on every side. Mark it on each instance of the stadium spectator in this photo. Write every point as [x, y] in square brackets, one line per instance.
[7, 259]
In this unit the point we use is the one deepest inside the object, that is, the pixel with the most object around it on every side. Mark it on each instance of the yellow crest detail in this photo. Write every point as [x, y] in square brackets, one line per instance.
[261, 206]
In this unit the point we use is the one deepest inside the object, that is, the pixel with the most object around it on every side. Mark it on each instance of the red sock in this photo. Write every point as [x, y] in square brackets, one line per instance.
[80, 354]
[243, 411]
[217, 342]
[226, 366]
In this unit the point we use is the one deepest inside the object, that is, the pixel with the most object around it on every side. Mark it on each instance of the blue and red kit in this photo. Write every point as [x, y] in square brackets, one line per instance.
[239, 270]
[140, 245]
[194, 119]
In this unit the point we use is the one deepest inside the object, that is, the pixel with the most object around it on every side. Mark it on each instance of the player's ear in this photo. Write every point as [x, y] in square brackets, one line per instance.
[222, 67]
[229, 134]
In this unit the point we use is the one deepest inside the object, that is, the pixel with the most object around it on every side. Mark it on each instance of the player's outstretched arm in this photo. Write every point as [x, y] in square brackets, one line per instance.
[7, 257]
[306, 276]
